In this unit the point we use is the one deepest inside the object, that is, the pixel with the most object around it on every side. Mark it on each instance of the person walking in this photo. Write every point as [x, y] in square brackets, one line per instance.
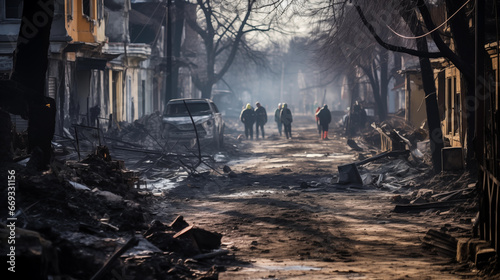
[317, 121]
[325, 117]
[277, 118]
[247, 117]
[260, 119]
[286, 119]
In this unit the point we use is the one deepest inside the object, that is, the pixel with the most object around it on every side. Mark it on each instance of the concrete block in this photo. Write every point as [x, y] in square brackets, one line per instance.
[349, 174]
[452, 158]
[475, 245]
[204, 239]
[483, 256]
[463, 250]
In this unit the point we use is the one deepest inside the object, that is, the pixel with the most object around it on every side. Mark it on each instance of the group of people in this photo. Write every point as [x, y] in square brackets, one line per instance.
[283, 118]
[249, 117]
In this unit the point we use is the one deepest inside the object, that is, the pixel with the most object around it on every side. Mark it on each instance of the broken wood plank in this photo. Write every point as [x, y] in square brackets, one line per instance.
[213, 254]
[441, 242]
[131, 243]
[382, 155]
[446, 238]
[426, 206]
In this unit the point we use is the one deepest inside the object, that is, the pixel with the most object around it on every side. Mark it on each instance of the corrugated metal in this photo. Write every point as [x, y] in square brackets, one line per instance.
[20, 123]
[51, 87]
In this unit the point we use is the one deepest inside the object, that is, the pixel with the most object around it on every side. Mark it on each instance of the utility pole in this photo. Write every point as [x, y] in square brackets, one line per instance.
[169, 93]
[282, 80]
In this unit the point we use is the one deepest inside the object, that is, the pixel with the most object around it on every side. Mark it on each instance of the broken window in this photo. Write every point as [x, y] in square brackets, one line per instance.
[87, 8]
[449, 105]
[13, 9]
[456, 107]
[179, 109]
[143, 98]
[69, 9]
[100, 9]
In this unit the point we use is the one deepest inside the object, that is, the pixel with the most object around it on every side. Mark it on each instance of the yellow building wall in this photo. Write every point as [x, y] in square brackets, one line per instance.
[80, 27]
[416, 112]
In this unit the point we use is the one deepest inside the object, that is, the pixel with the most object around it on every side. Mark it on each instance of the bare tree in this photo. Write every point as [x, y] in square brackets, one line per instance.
[222, 26]
[418, 20]
[415, 19]
[350, 51]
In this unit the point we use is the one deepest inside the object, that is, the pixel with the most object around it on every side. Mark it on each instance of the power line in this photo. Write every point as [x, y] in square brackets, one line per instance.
[423, 35]
[149, 19]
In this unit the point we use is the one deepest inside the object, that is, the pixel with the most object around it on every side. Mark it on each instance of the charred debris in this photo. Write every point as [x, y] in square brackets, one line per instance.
[85, 217]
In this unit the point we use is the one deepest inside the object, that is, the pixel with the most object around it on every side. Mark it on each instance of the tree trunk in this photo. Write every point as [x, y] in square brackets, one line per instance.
[30, 67]
[384, 82]
[433, 120]
[206, 91]
[464, 43]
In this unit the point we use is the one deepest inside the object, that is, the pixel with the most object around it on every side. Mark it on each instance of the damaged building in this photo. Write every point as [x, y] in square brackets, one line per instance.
[106, 55]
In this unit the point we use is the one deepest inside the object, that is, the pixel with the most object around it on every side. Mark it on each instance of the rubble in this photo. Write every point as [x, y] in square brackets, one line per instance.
[442, 242]
[87, 207]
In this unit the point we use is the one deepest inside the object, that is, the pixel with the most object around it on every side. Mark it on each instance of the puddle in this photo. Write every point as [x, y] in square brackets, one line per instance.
[249, 193]
[330, 156]
[308, 155]
[220, 157]
[164, 184]
[289, 268]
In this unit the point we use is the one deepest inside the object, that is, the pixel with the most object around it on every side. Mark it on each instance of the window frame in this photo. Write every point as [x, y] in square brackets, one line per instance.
[3, 14]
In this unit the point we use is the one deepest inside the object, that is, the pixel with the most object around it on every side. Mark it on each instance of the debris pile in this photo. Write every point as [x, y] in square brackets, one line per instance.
[74, 217]
[399, 133]
[446, 192]
[145, 131]
[415, 188]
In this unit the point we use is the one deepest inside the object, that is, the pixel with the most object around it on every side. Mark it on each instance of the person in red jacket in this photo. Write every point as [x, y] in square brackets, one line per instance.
[325, 117]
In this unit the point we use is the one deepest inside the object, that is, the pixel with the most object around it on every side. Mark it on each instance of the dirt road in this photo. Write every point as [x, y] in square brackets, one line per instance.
[286, 217]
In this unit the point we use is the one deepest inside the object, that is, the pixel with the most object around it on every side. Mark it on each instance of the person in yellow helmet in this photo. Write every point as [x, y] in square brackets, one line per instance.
[247, 117]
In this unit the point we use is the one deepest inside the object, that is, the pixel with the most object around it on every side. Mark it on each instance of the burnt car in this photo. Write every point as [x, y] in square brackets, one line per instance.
[177, 124]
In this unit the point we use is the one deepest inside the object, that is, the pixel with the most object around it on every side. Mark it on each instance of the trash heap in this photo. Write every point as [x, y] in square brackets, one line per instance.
[416, 189]
[85, 220]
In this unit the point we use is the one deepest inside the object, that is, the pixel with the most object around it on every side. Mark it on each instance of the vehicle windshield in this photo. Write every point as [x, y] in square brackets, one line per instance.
[196, 109]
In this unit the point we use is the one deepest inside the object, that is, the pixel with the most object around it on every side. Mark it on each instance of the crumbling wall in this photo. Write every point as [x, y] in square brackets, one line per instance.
[117, 20]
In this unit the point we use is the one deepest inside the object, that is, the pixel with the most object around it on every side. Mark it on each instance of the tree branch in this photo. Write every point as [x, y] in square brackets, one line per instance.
[236, 42]
[393, 47]
[447, 52]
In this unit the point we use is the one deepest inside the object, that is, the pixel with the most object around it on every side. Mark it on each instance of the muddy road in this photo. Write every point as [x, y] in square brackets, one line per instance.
[282, 214]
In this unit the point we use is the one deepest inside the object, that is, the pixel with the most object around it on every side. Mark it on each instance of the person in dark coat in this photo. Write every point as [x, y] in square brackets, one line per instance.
[260, 119]
[325, 117]
[247, 117]
[277, 118]
[286, 119]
